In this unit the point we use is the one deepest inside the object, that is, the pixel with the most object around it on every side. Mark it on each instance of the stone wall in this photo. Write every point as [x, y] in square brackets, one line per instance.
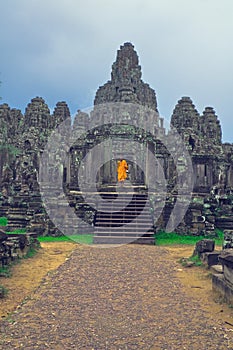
[13, 247]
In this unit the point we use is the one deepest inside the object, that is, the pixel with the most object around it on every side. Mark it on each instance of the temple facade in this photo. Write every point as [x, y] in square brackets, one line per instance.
[23, 138]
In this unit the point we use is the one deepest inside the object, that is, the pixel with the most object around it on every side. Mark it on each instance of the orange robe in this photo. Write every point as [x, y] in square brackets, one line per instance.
[122, 166]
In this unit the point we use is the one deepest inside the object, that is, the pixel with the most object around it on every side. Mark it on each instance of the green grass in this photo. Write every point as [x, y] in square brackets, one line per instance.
[197, 261]
[32, 252]
[17, 231]
[5, 271]
[3, 221]
[11, 150]
[83, 239]
[194, 259]
[164, 238]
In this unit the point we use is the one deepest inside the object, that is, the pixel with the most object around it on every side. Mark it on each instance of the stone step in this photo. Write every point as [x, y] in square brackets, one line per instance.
[123, 219]
[123, 240]
[126, 202]
[108, 231]
[124, 226]
[127, 196]
[116, 217]
[124, 234]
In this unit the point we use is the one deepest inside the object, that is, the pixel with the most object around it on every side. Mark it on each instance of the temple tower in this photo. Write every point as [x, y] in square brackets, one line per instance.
[127, 86]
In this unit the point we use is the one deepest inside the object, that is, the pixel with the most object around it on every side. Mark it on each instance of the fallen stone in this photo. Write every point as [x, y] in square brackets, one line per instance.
[189, 263]
[203, 246]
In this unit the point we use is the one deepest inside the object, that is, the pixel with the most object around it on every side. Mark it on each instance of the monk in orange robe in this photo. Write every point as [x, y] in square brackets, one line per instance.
[122, 168]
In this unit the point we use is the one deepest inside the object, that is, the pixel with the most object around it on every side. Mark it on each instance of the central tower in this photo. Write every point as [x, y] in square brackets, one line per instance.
[125, 97]
[126, 84]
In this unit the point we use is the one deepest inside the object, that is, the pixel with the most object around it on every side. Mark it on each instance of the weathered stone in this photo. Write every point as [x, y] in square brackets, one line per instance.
[16, 246]
[210, 258]
[203, 246]
[222, 287]
[23, 138]
[226, 259]
[3, 236]
[126, 84]
[217, 268]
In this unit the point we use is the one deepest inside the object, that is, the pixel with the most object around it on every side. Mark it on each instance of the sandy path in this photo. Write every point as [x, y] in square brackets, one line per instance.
[117, 298]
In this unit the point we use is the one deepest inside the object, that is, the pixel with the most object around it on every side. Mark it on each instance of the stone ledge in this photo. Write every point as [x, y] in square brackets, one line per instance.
[221, 286]
[216, 269]
[210, 258]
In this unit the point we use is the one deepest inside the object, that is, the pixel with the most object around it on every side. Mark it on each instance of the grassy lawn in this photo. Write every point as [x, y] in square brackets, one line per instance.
[164, 238]
[83, 239]
[161, 238]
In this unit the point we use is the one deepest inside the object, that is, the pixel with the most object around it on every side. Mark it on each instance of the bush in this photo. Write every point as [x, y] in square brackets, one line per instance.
[3, 221]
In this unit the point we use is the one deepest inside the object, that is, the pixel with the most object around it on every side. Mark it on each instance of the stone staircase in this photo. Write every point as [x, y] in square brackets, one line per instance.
[123, 217]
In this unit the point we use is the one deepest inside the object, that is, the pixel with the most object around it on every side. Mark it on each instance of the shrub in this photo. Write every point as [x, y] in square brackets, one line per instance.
[3, 221]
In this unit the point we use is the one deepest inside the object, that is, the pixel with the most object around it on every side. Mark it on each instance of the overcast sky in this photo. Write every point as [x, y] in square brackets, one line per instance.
[62, 50]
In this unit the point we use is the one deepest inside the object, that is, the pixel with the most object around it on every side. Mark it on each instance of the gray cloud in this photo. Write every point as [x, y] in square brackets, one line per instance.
[63, 50]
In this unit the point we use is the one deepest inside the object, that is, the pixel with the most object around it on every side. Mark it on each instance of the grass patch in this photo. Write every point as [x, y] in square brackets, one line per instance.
[83, 239]
[3, 221]
[194, 260]
[32, 252]
[17, 231]
[220, 237]
[5, 271]
[172, 238]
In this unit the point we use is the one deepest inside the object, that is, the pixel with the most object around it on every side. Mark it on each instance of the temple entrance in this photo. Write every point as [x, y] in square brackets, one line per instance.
[107, 174]
[102, 163]
[136, 155]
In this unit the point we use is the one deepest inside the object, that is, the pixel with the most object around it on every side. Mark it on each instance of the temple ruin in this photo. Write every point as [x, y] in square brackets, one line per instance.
[23, 138]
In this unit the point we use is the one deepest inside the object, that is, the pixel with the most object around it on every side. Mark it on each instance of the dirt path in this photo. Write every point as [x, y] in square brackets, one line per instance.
[29, 273]
[128, 297]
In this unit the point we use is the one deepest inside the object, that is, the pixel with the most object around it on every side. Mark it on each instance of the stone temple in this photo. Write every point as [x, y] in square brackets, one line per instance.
[23, 138]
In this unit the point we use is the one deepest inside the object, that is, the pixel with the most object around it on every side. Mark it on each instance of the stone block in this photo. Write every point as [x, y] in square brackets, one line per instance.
[203, 246]
[210, 258]
[226, 259]
[216, 269]
[221, 286]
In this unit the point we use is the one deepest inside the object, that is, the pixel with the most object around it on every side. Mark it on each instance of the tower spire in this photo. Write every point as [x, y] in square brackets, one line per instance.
[126, 84]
